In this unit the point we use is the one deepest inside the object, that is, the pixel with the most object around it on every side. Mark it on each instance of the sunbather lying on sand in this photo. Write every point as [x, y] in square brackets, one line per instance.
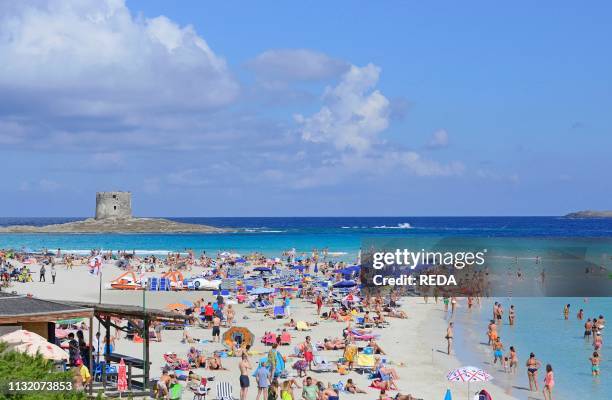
[400, 396]
[214, 363]
[333, 344]
[392, 313]
[375, 347]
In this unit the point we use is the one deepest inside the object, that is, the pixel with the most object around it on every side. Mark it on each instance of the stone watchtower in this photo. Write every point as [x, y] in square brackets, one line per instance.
[113, 205]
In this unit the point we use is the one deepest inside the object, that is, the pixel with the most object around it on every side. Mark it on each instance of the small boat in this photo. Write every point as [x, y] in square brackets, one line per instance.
[126, 281]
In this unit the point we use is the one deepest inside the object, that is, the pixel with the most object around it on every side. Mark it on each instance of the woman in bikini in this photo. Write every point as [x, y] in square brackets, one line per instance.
[532, 372]
[513, 359]
[352, 388]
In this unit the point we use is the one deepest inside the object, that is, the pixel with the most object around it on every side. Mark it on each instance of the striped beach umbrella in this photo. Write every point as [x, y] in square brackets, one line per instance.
[468, 374]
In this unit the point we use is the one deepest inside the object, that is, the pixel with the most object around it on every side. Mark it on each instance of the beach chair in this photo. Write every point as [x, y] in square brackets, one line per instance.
[224, 391]
[199, 391]
[215, 293]
[225, 293]
[321, 364]
[264, 306]
[269, 339]
[285, 338]
[164, 284]
[365, 363]
[279, 312]
[154, 284]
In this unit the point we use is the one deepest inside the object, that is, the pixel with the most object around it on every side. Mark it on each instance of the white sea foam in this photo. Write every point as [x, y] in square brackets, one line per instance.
[403, 225]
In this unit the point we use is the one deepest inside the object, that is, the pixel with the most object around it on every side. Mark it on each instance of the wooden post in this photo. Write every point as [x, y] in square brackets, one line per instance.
[146, 353]
[106, 345]
[91, 366]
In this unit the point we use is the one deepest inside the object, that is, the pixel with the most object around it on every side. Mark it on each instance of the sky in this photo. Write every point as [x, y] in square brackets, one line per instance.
[318, 108]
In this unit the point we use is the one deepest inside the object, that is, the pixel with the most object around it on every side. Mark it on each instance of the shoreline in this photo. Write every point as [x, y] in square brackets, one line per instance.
[421, 361]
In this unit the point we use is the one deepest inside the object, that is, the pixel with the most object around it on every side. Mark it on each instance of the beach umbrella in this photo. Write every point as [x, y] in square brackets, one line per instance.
[21, 336]
[448, 395]
[47, 350]
[122, 383]
[176, 306]
[468, 374]
[262, 269]
[262, 290]
[344, 284]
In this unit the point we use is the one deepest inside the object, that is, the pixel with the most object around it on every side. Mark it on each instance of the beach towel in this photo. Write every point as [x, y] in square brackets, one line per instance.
[302, 326]
[365, 360]
[350, 353]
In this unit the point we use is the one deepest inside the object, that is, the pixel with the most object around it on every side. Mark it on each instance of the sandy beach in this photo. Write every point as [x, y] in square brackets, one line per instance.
[415, 346]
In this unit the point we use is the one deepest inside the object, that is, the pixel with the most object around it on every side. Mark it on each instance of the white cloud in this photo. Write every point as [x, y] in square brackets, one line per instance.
[92, 57]
[296, 64]
[353, 115]
[438, 139]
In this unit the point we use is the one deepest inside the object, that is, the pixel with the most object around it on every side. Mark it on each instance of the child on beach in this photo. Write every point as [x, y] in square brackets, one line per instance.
[549, 382]
[595, 364]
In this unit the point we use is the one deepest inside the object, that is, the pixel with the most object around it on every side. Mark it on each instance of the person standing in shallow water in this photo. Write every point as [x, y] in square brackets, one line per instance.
[594, 364]
[549, 383]
[566, 312]
[532, 372]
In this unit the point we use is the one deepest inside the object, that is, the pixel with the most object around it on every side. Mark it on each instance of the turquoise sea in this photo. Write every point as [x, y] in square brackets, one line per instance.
[540, 327]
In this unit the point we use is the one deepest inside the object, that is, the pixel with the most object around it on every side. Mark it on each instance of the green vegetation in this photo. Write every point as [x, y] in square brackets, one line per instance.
[19, 367]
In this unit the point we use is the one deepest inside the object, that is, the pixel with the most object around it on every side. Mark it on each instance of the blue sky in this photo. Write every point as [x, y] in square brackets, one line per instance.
[306, 108]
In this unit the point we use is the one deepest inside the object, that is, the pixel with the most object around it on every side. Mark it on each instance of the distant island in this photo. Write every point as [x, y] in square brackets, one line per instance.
[589, 214]
[114, 215]
[116, 225]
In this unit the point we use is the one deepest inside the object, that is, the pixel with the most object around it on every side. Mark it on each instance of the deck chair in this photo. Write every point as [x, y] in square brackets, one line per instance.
[199, 391]
[164, 284]
[279, 312]
[365, 363]
[224, 391]
[154, 284]
[225, 293]
[320, 364]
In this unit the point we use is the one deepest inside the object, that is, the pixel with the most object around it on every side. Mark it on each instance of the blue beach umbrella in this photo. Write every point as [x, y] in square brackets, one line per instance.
[344, 284]
[448, 395]
[262, 290]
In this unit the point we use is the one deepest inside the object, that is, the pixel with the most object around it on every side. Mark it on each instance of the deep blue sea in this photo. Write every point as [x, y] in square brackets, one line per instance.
[540, 327]
[272, 235]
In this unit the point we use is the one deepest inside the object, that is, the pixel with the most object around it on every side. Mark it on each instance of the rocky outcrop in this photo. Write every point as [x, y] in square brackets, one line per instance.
[590, 214]
[116, 225]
